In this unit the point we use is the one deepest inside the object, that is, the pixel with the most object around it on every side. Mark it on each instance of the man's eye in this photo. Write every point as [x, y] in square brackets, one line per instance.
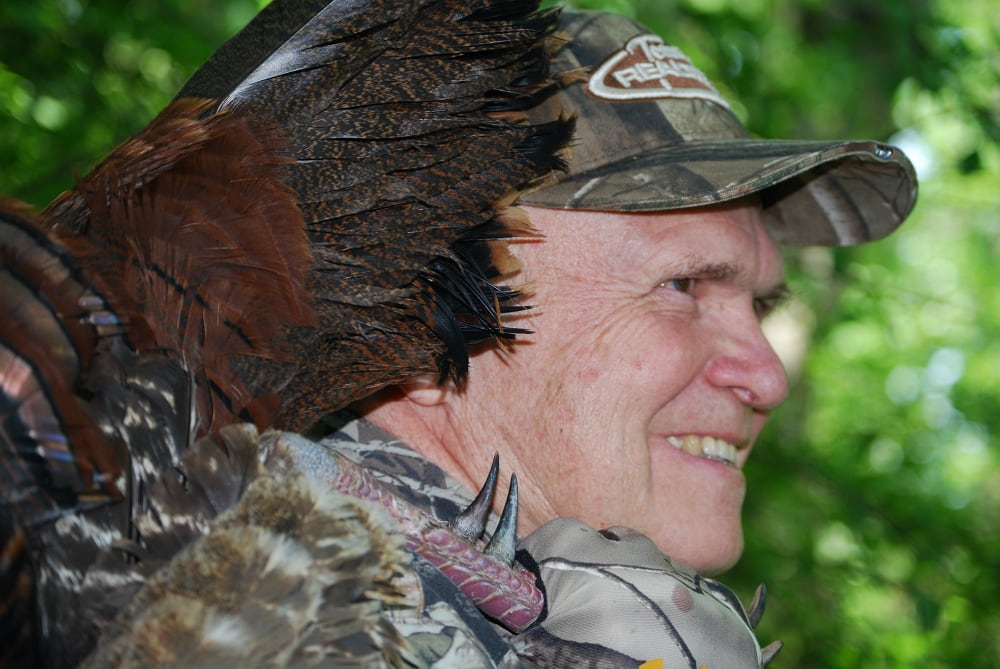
[763, 306]
[680, 285]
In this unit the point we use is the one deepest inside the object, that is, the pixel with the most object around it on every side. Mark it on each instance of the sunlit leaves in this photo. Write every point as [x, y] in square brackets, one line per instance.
[77, 77]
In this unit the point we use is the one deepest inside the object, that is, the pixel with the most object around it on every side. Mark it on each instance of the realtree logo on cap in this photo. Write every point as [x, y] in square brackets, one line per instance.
[645, 69]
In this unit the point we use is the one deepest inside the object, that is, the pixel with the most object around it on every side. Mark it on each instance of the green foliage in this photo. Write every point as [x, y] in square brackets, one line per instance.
[874, 501]
[79, 76]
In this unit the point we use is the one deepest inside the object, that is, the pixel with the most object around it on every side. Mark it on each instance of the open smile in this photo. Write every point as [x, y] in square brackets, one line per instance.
[705, 447]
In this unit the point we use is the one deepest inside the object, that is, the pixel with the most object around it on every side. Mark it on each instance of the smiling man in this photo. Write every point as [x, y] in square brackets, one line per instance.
[643, 388]
[646, 379]
[638, 396]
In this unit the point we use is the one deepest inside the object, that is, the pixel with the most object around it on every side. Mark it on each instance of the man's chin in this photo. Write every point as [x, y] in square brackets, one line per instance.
[707, 556]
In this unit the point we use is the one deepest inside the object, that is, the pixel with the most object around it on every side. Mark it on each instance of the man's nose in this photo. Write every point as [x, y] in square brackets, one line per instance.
[748, 366]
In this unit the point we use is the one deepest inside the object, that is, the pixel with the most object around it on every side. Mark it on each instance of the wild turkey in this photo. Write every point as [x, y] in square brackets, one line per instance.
[320, 213]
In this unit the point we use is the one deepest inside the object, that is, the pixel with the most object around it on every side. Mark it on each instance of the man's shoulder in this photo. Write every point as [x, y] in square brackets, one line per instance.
[444, 625]
[396, 464]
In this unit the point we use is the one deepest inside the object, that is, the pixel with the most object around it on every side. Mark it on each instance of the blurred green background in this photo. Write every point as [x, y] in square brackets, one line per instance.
[874, 507]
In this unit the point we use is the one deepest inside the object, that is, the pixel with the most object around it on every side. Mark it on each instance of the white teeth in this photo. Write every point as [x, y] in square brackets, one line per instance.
[706, 447]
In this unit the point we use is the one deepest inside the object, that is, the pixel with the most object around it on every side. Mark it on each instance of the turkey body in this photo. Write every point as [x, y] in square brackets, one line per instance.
[320, 213]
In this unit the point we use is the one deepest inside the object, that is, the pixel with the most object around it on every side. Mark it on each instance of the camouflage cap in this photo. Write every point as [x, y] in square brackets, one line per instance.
[654, 134]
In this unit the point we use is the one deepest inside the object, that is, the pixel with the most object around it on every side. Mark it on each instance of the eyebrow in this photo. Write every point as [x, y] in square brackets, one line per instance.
[697, 267]
[721, 271]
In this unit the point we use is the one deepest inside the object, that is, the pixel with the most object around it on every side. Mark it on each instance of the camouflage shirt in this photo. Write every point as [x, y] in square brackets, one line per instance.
[446, 629]
[613, 599]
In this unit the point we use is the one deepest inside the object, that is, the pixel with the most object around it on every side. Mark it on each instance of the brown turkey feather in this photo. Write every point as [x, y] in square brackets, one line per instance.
[203, 245]
[404, 126]
[321, 212]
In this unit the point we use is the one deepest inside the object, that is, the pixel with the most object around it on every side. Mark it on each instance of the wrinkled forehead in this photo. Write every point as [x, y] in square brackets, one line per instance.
[730, 242]
[731, 238]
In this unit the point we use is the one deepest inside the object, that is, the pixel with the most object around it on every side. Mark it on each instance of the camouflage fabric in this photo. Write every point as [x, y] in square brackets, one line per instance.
[612, 598]
[654, 134]
[447, 630]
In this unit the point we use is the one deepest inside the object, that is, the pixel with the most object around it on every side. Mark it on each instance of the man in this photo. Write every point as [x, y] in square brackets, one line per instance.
[646, 380]
[643, 388]
[638, 397]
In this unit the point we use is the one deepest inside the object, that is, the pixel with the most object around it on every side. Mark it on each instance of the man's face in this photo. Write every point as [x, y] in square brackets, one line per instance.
[647, 379]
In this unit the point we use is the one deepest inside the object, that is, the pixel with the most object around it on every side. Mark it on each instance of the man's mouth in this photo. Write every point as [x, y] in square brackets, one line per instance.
[705, 447]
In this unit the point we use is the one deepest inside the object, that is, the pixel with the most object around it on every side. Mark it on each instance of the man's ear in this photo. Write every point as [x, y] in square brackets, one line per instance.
[426, 391]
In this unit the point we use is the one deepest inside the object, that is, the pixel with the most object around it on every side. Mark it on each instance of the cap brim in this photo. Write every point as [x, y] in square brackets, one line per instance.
[813, 193]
